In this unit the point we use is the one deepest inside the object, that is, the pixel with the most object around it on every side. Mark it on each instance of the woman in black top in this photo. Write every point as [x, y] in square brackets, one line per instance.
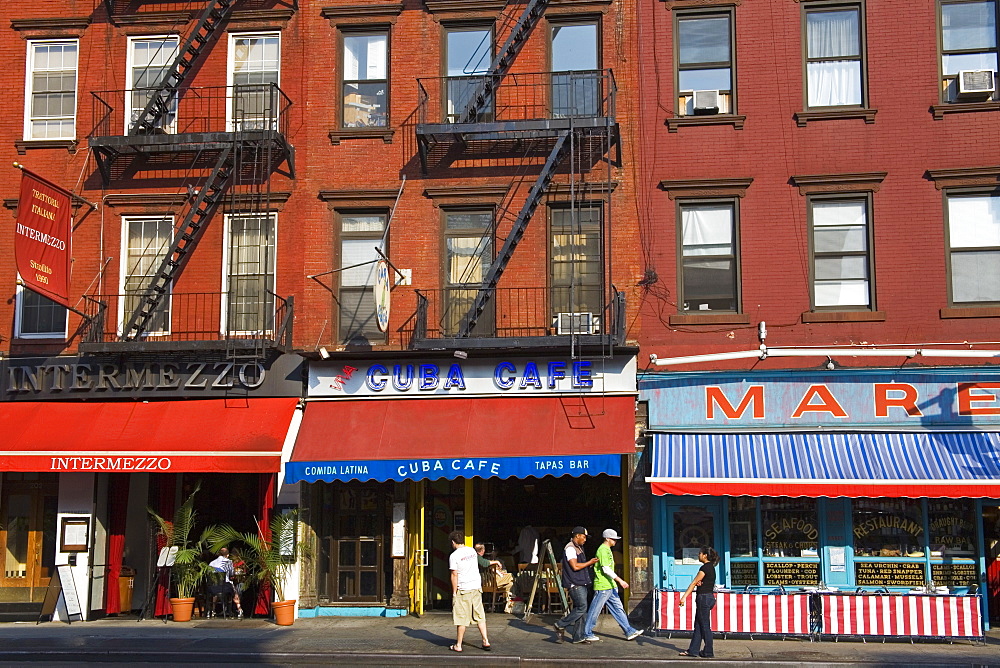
[704, 587]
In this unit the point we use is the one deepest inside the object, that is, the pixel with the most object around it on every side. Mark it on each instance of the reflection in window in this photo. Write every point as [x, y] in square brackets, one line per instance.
[743, 526]
[468, 54]
[974, 246]
[366, 81]
[38, 316]
[576, 81]
[151, 61]
[888, 528]
[790, 527]
[704, 59]
[833, 57]
[694, 528]
[952, 527]
[968, 42]
[256, 64]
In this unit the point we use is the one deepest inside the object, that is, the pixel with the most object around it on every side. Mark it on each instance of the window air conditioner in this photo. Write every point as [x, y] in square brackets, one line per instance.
[706, 102]
[577, 323]
[976, 83]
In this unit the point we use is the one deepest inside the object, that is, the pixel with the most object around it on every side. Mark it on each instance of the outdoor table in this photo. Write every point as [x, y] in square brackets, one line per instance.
[738, 612]
[902, 615]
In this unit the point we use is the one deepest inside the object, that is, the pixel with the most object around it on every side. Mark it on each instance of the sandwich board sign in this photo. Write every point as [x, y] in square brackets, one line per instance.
[62, 589]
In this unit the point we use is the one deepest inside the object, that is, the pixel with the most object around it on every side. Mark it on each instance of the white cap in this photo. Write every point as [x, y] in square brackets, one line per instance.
[610, 533]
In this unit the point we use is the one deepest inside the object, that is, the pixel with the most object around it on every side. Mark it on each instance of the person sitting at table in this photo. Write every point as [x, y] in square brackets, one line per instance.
[504, 580]
[223, 564]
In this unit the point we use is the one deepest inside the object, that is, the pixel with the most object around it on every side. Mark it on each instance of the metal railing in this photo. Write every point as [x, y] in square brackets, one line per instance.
[519, 97]
[194, 317]
[240, 108]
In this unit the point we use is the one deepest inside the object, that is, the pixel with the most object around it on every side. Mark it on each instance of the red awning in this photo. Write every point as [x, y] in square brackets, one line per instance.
[378, 429]
[205, 435]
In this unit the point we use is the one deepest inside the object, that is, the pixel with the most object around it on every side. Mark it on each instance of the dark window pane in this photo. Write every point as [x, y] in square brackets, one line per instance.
[348, 553]
[704, 40]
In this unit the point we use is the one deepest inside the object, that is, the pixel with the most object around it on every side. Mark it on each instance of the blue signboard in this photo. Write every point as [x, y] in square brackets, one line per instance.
[451, 468]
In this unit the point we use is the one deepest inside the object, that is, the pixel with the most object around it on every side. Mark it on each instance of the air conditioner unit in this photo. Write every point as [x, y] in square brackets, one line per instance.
[706, 102]
[976, 83]
[577, 323]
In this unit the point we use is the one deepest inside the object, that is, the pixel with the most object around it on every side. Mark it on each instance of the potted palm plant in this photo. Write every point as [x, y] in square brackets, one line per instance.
[269, 560]
[189, 570]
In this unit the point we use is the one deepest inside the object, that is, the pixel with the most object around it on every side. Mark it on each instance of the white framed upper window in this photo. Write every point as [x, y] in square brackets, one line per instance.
[145, 241]
[254, 72]
[50, 89]
[38, 317]
[974, 248]
[149, 60]
[365, 96]
[248, 281]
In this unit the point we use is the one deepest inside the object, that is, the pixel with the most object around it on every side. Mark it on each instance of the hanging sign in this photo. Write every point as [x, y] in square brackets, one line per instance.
[42, 237]
[382, 287]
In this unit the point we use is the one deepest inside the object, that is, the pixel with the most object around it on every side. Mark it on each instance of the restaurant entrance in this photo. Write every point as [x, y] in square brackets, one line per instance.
[991, 536]
[27, 535]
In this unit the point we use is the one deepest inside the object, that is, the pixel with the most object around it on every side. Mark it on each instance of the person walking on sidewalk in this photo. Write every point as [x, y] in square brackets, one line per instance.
[704, 587]
[467, 591]
[606, 583]
[576, 580]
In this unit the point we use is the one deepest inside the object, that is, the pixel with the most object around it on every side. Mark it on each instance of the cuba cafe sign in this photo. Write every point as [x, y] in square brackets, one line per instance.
[452, 377]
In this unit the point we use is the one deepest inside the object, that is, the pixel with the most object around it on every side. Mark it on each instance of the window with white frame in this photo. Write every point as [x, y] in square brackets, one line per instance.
[255, 68]
[709, 269]
[968, 50]
[365, 94]
[834, 55]
[360, 234]
[841, 249]
[146, 240]
[974, 247]
[51, 89]
[149, 63]
[704, 60]
[249, 280]
[38, 317]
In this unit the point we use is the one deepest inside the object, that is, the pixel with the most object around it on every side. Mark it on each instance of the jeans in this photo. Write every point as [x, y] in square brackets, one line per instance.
[609, 598]
[703, 625]
[576, 616]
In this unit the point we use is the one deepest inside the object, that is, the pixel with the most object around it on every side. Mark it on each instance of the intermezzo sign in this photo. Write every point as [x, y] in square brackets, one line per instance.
[42, 237]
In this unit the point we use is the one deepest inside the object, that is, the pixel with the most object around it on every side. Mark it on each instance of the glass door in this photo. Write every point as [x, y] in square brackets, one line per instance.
[27, 535]
[690, 527]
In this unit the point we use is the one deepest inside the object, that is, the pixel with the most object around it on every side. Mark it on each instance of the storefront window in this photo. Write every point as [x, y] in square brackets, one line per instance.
[790, 527]
[743, 527]
[694, 527]
[952, 529]
[888, 528]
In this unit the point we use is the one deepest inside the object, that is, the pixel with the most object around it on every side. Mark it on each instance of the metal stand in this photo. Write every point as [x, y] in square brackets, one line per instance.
[546, 550]
[150, 603]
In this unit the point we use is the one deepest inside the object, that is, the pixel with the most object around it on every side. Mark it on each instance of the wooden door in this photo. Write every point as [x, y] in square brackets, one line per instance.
[27, 535]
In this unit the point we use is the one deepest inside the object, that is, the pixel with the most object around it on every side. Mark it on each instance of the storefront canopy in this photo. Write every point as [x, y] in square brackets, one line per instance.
[502, 437]
[937, 465]
[213, 435]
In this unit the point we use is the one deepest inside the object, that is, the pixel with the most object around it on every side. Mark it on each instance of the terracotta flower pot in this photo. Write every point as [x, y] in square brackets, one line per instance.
[284, 612]
[182, 608]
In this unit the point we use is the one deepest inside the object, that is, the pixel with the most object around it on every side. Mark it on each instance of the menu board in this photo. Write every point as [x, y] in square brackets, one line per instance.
[743, 573]
[954, 575]
[889, 574]
[791, 574]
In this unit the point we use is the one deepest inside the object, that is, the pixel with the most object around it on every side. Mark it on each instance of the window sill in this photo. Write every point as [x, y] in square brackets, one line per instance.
[843, 316]
[939, 110]
[803, 117]
[385, 134]
[717, 119]
[710, 319]
[970, 312]
[22, 145]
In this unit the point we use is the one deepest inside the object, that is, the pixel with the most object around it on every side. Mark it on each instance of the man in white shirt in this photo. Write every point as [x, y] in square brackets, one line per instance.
[467, 590]
[223, 564]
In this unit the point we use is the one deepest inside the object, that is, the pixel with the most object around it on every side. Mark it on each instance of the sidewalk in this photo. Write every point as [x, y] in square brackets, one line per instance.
[411, 641]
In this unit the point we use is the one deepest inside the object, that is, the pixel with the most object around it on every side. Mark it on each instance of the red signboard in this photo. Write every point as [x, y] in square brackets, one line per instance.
[42, 237]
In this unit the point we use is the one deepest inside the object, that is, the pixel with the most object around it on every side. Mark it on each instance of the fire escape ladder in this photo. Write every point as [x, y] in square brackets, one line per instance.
[504, 58]
[531, 203]
[159, 102]
[183, 243]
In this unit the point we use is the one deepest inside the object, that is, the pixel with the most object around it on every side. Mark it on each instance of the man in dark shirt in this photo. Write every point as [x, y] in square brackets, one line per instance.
[576, 579]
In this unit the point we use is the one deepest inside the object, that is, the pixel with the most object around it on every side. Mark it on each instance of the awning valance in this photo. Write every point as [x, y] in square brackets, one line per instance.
[210, 435]
[413, 439]
[925, 464]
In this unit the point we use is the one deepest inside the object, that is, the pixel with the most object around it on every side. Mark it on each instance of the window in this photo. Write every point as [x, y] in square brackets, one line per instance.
[704, 59]
[834, 62]
[150, 59]
[51, 90]
[366, 80]
[576, 256]
[146, 241]
[468, 255]
[361, 234]
[255, 65]
[709, 270]
[468, 52]
[576, 79]
[888, 528]
[790, 528]
[968, 43]
[38, 317]
[249, 286]
[841, 247]
[974, 248]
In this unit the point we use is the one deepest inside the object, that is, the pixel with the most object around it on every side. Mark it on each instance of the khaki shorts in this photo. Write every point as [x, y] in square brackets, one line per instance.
[467, 608]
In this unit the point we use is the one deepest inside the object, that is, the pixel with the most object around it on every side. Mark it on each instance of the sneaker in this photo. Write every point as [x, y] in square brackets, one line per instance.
[560, 632]
[239, 614]
[593, 639]
[633, 635]
[581, 641]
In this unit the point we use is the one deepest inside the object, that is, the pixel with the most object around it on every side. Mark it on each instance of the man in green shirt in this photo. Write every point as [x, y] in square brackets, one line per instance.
[606, 583]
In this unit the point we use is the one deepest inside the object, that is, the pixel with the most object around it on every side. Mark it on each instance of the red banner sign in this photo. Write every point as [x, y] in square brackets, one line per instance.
[43, 236]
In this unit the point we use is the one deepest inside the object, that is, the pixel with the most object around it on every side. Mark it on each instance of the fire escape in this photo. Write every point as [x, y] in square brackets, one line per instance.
[223, 143]
[561, 127]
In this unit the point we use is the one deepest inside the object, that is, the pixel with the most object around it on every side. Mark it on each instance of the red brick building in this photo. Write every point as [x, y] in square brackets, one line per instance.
[818, 225]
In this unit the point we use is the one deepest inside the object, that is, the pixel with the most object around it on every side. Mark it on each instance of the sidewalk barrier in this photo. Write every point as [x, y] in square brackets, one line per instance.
[776, 614]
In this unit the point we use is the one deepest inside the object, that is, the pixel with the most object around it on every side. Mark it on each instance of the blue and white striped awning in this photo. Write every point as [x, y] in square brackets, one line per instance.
[925, 464]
